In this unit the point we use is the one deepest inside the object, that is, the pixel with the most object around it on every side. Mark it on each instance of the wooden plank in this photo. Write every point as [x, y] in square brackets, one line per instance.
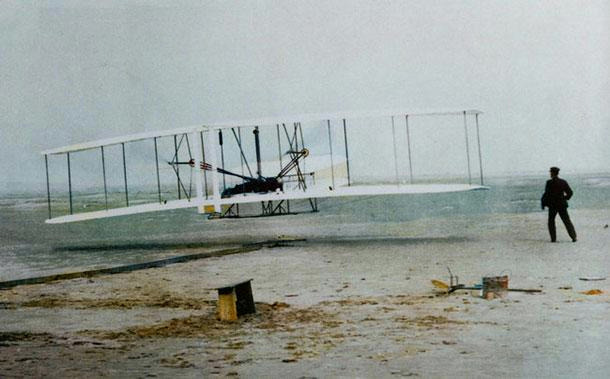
[135, 267]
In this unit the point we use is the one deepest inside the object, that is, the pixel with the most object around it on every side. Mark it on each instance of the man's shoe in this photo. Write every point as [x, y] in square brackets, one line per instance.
[574, 240]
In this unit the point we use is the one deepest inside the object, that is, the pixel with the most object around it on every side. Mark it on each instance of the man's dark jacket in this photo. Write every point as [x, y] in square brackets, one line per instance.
[556, 194]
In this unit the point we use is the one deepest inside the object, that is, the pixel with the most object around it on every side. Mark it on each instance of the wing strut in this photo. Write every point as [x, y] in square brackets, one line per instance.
[188, 149]
[222, 159]
[157, 167]
[69, 182]
[198, 183]
[476, 118]
[409, 149]
[257, 146]
[279, 145]
[395, 156]
[125, 174]
[177, 169]
[330, 145]
[205, 174]
[104, 176]
[303, 147]
[215, 184]
[241, 151]
[241, 157]
[467, 149]
[346, 153]
[46, 165]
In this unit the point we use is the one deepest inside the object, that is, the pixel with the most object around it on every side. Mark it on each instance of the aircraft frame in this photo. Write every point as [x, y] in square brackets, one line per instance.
[205, 149]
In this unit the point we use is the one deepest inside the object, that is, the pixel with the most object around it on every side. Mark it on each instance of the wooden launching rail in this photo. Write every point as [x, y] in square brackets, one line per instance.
[146, 265]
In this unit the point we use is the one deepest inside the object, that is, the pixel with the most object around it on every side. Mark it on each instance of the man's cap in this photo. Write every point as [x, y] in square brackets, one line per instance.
[554, 169]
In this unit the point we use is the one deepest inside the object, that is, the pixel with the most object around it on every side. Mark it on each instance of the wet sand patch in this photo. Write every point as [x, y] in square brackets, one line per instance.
[162, 302]
[277, 316]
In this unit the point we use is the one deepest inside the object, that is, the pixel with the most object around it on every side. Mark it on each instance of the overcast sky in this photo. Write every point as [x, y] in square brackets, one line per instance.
[75, 71]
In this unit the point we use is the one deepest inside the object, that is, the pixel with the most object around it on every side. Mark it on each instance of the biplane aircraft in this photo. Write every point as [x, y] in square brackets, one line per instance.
[266, 163]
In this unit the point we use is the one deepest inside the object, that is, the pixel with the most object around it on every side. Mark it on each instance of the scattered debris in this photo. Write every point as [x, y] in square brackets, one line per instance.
[491, 287]
[495, 286]
[439, 284]
[565, 288]
[593, 292]
[527, 290]
[451, 287]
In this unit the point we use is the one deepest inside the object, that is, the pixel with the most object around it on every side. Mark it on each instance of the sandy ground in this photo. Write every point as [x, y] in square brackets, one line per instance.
[335, 307]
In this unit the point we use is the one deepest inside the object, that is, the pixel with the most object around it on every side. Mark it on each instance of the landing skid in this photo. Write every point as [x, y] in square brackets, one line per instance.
[268, 209]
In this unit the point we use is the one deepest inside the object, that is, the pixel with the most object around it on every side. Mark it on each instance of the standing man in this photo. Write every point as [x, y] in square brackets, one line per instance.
[556, 196]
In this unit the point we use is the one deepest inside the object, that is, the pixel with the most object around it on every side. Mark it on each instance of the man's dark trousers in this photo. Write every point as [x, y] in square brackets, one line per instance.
[563, 213]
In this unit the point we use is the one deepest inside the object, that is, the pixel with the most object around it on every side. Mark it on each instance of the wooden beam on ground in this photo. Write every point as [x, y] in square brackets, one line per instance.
[141, 266]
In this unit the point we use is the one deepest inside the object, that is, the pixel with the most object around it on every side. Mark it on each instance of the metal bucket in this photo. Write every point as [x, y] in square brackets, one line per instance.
[495, 286]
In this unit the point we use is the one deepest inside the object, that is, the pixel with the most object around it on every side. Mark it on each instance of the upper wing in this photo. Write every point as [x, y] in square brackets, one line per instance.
[124, 139]
[342, 115]
[252, 122]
